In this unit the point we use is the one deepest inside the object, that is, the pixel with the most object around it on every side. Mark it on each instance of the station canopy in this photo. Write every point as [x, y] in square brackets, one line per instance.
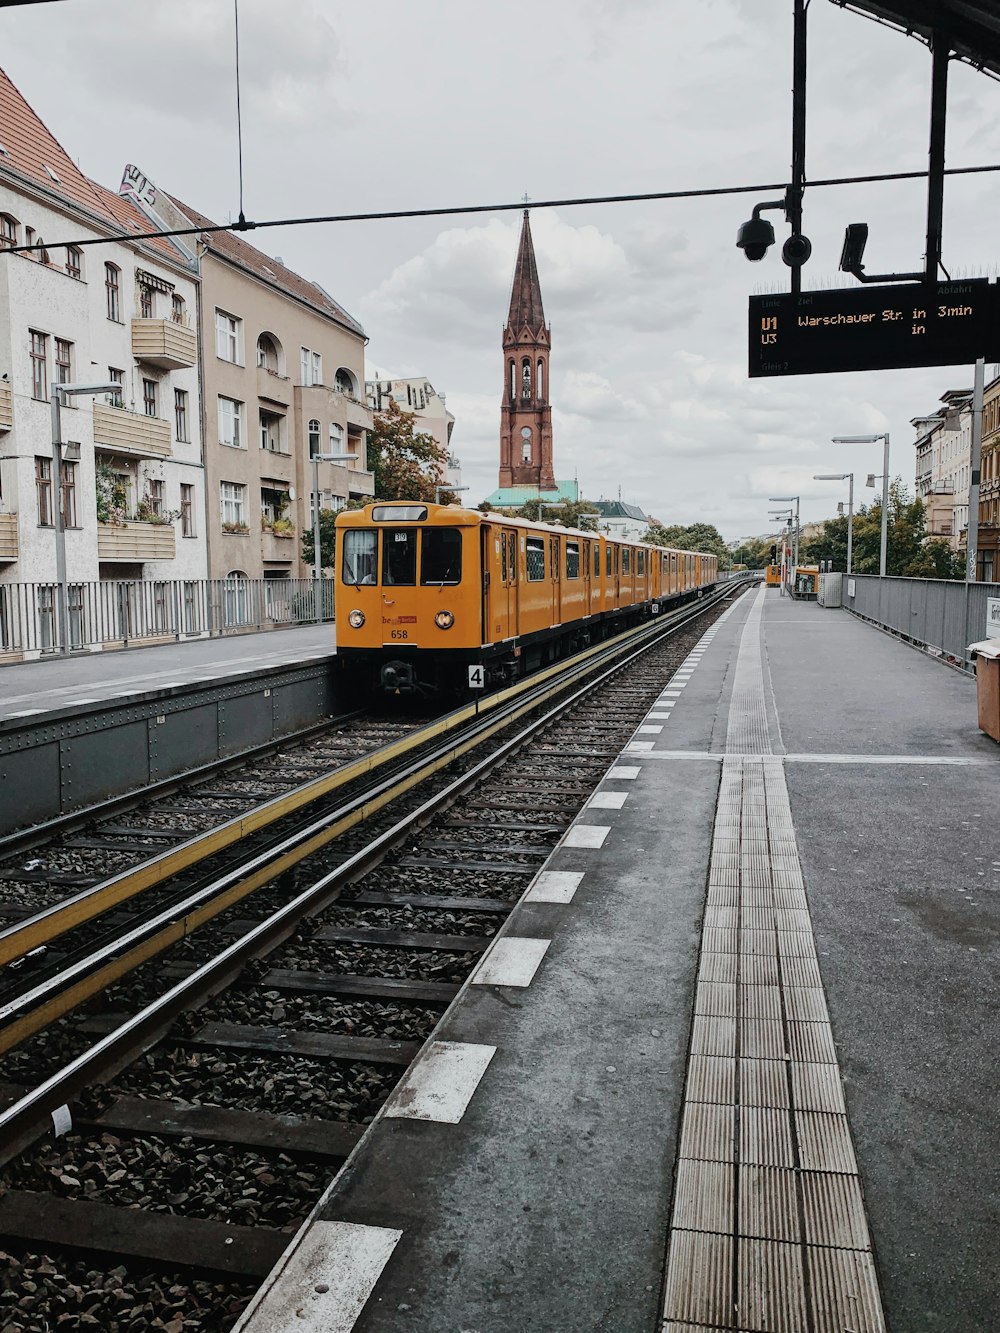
[973, 26]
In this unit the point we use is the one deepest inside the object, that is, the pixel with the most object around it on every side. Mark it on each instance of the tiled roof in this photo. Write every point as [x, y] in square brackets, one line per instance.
[619, 509]
[234, 248]
[512, 497]
[30, 149]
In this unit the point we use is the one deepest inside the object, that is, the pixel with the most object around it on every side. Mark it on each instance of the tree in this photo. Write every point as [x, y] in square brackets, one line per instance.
[407, 464]
[327, 534]
[910, 553]
[568, 514]
[695, 537]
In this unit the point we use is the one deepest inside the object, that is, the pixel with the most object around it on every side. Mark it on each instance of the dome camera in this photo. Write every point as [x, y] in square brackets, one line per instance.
[755, 238]
[796, 251]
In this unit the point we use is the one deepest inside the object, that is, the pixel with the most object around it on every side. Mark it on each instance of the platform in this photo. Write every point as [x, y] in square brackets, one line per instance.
[50, 684]
[732, 1062]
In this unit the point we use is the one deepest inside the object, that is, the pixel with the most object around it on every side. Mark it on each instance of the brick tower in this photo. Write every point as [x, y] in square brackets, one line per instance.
[525, 414]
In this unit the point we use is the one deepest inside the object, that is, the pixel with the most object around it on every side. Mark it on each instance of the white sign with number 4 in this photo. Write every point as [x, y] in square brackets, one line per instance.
[477, 677]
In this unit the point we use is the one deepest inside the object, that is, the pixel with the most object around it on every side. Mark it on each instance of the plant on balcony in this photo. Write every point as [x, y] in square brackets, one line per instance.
[146, 513]
[112, 497]
[240, 528]
[283, 527]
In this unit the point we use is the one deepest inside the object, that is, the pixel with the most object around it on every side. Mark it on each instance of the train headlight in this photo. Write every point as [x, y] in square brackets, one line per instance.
[356, 619]
[444, 619]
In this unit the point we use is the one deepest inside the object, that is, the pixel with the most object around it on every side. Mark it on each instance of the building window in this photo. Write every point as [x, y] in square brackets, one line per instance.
[227, 337]
[43, 489]
[270, 431]
[177, 311]
[8, 230]
[234, 504]
[313, 438]
[336, 438]
[231, 423]
[74, 261]
[345, 382]
[116, 376]
[64, 361]
[112, 286]
[312, 367]
[145, 302]
[181, 414]
[69, 495]
[155, 497]
[525, 444]
[149, 397]
[267, 353]
[187, 509]
[39, 370]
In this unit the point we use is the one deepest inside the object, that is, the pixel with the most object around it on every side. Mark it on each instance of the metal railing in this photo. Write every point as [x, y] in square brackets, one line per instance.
[942, 616]
[120, 613]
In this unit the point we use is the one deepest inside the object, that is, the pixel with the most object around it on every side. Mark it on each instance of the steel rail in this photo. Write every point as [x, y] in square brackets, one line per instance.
[42, 928]
[21, 1121]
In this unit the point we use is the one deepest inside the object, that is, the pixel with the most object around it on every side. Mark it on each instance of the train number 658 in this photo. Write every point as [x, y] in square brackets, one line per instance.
[400, 634]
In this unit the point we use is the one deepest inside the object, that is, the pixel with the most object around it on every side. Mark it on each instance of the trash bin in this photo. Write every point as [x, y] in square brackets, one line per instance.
[986, 654]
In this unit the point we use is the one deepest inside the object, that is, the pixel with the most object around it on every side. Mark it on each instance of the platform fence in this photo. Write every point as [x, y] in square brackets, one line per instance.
[122, 613]
[942, 616]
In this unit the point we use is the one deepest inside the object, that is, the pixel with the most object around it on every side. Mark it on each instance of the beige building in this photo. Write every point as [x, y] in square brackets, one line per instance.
[282, 381]
[943, 469]
[429, 407]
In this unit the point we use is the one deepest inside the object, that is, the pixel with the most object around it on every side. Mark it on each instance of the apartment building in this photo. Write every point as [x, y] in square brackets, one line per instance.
[989, 486]
[131, 492]
[282, 383]
[943, 469]
[429, 407]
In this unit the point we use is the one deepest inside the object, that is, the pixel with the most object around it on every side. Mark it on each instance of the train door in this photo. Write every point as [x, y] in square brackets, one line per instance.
[509, 541]
[555, 555]
[497, 595]
[587, 566]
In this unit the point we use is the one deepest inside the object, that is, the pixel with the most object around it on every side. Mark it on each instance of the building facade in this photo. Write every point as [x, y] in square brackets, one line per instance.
[131, 490]
[943, 465]
[282, 384]
[988, 542]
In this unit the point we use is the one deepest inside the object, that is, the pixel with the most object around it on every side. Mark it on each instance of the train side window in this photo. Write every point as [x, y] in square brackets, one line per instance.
[626, 560]
[512, 557]
[666, 564]
[360, 558]
[640, 562]
[503, 556]
[554, 557]
[572, 560]
[597, 560]
[440, 556]
[399, 557]
[608, 562]
[534, 559]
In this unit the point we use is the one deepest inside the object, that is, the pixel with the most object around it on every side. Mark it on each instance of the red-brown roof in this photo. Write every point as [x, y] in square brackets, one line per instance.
[233, 247]
[526, 291]
[30, 149]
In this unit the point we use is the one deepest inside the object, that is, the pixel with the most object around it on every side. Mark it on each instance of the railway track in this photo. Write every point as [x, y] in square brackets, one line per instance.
[275, 1033]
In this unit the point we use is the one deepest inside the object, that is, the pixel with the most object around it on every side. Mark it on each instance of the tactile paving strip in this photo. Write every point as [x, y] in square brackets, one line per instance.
[768, 1232]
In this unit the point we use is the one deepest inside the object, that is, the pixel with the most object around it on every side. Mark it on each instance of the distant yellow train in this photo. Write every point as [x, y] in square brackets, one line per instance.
[424, 593]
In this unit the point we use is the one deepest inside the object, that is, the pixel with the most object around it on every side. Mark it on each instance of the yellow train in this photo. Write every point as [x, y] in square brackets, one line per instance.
[438, 598]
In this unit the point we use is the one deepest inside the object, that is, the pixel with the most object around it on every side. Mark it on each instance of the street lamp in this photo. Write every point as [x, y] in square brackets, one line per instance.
[874, 439]
[452, 490]
[318, 458]
[788, 499]
[59, 393]
[849, 478]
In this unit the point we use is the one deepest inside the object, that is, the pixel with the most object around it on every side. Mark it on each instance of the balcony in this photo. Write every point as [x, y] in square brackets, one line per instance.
[8, 537]
[360, 483]
[6, 407]
[274, 387]
[136, 542]
[165, 343]
[277, 547]
[118, 431]
[355, 412]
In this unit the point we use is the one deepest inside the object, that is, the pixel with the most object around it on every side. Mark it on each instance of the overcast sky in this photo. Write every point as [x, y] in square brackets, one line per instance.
[383, 104]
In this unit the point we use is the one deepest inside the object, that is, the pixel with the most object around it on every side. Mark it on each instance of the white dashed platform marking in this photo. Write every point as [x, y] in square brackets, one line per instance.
[624, 771]
[441, 1084]
[607, 800]
[511, 961]
[649, 730]
[587, 835]
[554, 886]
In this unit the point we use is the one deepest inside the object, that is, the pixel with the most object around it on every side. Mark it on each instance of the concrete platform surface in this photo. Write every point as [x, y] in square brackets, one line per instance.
[732, 1062]
[38, 687]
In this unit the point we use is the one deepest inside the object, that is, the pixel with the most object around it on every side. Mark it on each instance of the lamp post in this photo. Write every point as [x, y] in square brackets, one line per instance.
[849, 478]
[788, 499]
[59, 393]
[318, 458]
[874, 439]
[452, 490]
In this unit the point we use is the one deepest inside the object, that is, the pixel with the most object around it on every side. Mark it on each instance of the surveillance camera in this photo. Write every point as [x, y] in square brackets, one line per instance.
[755, 238]
[796, 251]
[855, 239]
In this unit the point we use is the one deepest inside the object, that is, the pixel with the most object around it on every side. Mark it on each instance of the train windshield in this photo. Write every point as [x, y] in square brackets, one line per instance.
[441, 556]
[360, 561]
[399, 556]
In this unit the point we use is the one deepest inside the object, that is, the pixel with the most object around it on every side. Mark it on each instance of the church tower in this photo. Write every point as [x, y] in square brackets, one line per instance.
[525, 413]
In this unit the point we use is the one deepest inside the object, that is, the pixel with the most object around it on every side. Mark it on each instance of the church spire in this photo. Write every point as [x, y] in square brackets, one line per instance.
[526, 293]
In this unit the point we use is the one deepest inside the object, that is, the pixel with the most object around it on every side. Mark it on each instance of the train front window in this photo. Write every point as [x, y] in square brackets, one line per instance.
[360, 559]
[399, 557]
[441, 556]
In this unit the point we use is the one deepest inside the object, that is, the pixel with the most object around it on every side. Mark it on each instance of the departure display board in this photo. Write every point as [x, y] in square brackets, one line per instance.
[886, 327]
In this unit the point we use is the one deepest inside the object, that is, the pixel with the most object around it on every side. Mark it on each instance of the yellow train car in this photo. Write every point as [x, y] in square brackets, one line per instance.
[772, 576]
[424, 592]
